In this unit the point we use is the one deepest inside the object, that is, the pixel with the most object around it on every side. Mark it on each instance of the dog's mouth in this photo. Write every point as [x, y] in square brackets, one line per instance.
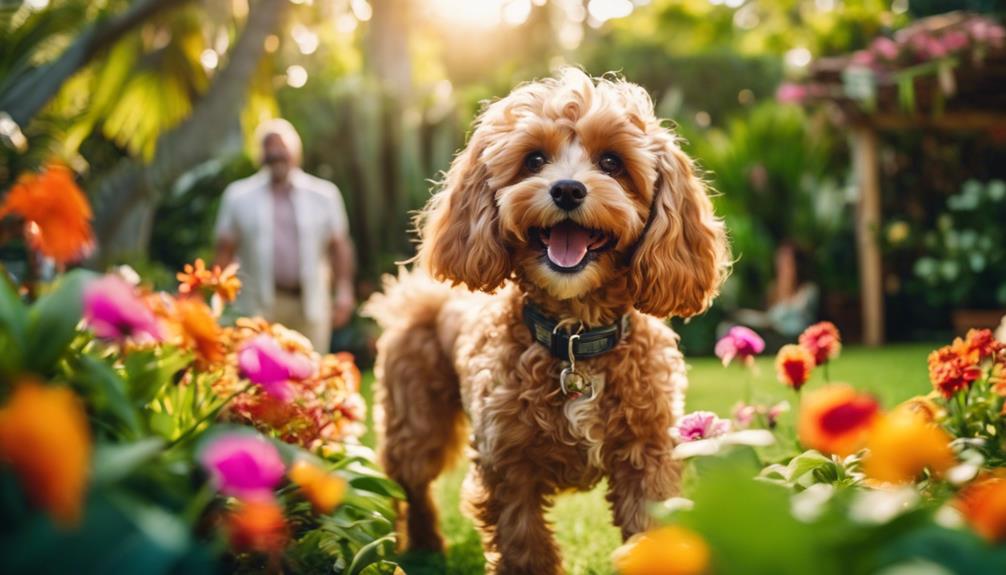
[568, 247]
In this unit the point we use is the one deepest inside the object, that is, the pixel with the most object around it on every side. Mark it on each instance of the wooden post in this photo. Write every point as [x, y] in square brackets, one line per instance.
[871, 279]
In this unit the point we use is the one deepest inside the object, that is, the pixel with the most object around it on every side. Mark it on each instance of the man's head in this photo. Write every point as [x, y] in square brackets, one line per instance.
[279, 148]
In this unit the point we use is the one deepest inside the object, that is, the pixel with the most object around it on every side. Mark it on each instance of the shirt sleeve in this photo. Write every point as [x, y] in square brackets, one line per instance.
[226, 226]
[338, 221]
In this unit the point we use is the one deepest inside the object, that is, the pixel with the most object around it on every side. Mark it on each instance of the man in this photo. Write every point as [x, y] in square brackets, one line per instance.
[289, 232]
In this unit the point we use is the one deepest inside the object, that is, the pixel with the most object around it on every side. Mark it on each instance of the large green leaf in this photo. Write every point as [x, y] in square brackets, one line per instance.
[13, 320]
[52, 322]
[106, 392]
[113, 462]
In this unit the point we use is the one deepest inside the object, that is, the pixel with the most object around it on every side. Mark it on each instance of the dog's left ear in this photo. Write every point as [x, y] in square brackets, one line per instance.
[684, 255]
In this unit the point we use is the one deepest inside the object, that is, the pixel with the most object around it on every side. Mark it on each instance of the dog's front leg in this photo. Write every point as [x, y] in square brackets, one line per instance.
[639, 474]
[509, 510]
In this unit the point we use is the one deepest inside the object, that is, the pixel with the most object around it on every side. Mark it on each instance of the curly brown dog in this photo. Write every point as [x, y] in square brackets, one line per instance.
[577, 223]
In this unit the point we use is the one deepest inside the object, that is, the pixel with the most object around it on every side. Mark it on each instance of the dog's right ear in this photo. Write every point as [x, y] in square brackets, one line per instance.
[459, 227]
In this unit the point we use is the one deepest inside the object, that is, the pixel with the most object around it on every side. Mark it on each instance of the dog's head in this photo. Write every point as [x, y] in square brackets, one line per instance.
[571, 183]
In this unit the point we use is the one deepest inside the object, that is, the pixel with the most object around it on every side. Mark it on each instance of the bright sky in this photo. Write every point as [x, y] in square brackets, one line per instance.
[489, 13]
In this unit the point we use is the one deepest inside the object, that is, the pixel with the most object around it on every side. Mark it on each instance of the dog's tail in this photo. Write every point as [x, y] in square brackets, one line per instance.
[410, 297]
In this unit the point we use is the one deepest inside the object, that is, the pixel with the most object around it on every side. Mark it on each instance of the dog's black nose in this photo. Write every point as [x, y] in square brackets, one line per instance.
[568, 194]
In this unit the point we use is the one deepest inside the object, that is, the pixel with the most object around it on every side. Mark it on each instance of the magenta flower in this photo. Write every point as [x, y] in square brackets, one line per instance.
[739, 342]
[264, 362]
[699, 425]
[114, 311]
[243, 465]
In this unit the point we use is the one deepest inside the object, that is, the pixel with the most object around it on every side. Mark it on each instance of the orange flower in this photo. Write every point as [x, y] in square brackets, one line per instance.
[56, 212]
[836, 419]
[44, 436]
[822, 340]
[793, 365]
[222, 282]
[193, 277]
[258, 525]
[670, 550]
[199, 330]
[983, 504]
[902, 444]
[983, 343]
[953, 368]
[324, 490]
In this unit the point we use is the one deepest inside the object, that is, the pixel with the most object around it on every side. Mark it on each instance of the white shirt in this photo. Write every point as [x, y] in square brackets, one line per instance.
[246, 218]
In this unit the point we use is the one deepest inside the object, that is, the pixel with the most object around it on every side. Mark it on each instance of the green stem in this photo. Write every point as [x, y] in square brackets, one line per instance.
[827, 374]
[212, 414]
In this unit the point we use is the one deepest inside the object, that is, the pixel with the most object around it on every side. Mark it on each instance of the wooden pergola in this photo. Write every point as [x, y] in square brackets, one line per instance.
[961, 90]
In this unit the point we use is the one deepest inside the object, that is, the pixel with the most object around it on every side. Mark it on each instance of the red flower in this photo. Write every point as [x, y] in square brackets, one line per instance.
[793, 365]
[822, 340]
[836, 419]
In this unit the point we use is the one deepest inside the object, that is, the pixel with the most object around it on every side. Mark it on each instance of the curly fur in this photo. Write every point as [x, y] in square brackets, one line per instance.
[455, 350]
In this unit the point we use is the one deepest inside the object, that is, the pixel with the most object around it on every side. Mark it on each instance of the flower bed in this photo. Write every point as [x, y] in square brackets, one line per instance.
[852, 487]
[138, 435]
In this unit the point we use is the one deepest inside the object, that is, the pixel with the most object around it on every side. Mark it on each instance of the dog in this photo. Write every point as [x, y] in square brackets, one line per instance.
[564, 233]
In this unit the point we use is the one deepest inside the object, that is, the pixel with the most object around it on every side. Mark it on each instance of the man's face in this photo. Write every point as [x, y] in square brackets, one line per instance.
[276, 157]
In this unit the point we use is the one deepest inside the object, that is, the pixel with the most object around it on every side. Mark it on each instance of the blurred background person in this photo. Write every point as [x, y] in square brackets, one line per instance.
[289, 231]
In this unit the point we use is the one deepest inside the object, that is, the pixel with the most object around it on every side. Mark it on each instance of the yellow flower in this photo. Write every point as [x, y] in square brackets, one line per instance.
[324, 490]
[836, 419]
[44, 436]
[670, 550]
[902, 444]
[56, 212]
[924, 407]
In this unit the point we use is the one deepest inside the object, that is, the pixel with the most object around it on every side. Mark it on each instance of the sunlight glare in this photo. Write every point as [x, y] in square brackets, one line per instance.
[475, 13]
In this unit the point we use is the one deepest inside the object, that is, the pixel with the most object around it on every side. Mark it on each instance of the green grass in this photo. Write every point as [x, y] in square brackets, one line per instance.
[582, 521]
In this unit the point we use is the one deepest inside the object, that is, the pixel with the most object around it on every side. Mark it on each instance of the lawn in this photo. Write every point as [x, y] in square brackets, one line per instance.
[583, 522]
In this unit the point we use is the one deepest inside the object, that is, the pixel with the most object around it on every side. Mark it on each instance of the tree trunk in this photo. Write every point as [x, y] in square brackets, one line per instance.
[23, 100]
[126, 197]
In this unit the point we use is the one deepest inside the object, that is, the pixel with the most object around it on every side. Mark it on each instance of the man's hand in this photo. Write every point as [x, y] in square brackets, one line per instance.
[342, 306]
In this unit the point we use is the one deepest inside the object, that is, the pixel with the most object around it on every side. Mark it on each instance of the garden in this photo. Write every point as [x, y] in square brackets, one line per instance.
[846, 389]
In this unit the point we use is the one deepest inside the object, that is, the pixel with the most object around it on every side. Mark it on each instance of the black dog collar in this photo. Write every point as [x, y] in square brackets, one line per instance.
[587, 343]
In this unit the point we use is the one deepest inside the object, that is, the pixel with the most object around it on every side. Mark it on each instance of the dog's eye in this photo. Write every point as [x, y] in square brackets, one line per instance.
[610, 164]
[535, 161]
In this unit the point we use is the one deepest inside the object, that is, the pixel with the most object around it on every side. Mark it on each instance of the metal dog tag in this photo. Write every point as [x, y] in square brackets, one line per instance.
[575, 383]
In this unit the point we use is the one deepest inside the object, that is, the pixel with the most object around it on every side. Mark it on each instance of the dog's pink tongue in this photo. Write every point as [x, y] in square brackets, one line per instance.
[567, 244]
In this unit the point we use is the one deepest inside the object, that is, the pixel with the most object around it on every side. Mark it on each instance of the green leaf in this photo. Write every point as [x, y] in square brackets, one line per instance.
[372, 553]
[13, 317]
[379, 485]
[147, 372]
[113, 462]
[52, 322]
[107, 392]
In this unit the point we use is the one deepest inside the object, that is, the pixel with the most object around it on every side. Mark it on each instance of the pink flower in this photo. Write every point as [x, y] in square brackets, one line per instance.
[744, 414]
[739, 342]
[862, 57]
[885, 48]
[699, 425]
[955, 41]
[243, 465]
[264, 362]
[114, 311]
[789, 93]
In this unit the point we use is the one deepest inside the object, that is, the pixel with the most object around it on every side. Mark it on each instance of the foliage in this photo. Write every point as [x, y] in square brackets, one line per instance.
[964, 255]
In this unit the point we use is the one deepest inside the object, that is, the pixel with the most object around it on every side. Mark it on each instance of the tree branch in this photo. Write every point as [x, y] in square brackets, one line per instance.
[29, 95]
